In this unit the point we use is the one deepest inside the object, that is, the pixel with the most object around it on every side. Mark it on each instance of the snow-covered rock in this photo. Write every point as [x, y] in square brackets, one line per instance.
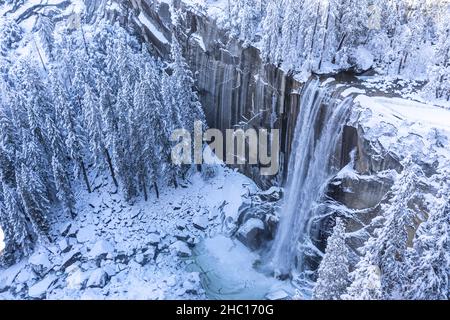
[101, 249]
[181, 235]
[64, 245]
[277, 295]
[24, 276]
[171, 281]
[39, 289]
[181, 249]
[86, 234]
[200, 222]
[40, 263]
[70, 258]
[77, 279]
[192, 283]
[250, 233]
[153, 239]
[65, 228]
[98, 279]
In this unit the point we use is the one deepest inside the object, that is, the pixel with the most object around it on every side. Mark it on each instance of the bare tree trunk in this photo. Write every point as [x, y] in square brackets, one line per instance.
[144, 189]
[155, 185]
[315, 28]
[84, 40]
[85, 176]
[40, 56]
[111, 168]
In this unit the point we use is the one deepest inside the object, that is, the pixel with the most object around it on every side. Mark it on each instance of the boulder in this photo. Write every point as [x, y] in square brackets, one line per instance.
[40, 263]
[181, 249]
[70, 258]
[153, 239]
[200, 222]
[181, 235]
[277, 295]
[40, 289]
[65, 228]
[86, 234]
[98, 279]
[101, 249]
[251, 233]
[64, 245]
[192, 283]
[77, 279]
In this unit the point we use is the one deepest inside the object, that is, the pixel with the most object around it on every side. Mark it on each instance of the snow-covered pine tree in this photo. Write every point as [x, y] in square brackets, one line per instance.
[333, 272]
[109, 119]
[45, 28]
[387, 251]
[429, 274]
[73, 136]
[8, 148]
[366, 278]
[60, 165]
[272, 26]
[292, 43]
[122, 156]
[189, 107]
[438, 86]
[63, 188]
[10, 33]
[36, 204]
[352, 29]
[17, 239]
[149, 135]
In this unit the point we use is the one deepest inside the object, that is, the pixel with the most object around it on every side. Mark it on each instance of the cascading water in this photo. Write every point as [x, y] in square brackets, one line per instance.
[318, 130]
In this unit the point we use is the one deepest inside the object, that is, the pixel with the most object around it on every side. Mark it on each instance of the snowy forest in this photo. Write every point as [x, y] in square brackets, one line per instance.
[92, 205]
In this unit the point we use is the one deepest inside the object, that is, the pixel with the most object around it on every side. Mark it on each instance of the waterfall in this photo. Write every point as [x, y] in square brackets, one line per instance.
[317, 132]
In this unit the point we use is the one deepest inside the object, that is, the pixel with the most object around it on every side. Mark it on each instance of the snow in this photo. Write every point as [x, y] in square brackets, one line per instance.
[395, 109]
[98, 278]
[152, 28]
[199, 39]
[351, 90]
[40, 260]
[86, 233]
[113, 244]
[101, 247]
[402, 126]
[39, 290]
[251, 224]
[364, 58]
[181, 249]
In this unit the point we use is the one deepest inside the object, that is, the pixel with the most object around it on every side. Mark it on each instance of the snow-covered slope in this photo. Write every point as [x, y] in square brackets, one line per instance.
[140, 251]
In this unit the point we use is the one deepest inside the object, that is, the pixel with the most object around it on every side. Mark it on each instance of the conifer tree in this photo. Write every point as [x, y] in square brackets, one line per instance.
[333, 272]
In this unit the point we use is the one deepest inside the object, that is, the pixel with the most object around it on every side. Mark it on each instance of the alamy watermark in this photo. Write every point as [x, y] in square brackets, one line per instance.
[238, 147]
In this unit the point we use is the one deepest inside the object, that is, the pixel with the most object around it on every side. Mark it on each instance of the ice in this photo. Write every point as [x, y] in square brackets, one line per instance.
[229, 273]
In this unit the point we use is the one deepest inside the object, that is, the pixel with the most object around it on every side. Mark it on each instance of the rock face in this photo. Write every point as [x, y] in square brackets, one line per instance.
[236, 85]
[233, 82]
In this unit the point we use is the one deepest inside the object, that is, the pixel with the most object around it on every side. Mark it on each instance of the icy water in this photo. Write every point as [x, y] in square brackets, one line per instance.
[229, 271]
